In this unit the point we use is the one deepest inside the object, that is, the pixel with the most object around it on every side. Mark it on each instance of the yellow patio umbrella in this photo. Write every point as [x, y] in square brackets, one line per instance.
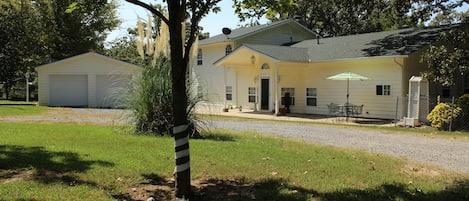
[348, 76]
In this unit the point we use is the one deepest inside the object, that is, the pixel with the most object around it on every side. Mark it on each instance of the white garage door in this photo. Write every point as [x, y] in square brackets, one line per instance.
[111, 90]
[68, 90]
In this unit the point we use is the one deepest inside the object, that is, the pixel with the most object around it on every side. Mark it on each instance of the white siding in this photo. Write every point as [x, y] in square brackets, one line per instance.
[111, 90]
[68, 90]
[301, 76]
[89, 65]
[211, 78]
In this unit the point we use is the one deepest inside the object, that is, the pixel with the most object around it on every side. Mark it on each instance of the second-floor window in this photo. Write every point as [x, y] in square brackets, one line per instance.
[228, 49]
[229, 93]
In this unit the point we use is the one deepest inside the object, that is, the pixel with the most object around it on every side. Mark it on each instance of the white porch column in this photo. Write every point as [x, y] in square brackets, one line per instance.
[236, 86]
[276, 88]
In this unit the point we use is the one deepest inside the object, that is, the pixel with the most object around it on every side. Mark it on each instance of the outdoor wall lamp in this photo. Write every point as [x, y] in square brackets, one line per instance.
[253, 59]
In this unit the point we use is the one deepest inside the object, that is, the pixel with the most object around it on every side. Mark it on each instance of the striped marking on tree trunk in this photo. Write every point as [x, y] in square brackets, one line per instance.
[181, 146]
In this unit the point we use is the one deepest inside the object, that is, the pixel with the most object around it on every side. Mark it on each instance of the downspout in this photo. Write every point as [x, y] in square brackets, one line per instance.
[224, 83]
[276, 89]
[404, 110]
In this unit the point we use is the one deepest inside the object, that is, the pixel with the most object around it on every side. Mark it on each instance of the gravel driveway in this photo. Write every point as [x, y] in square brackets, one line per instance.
[448, 154]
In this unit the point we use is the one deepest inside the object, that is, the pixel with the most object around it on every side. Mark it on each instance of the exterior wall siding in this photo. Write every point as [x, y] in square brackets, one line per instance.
[313, 75]
[92, 90]
[210, 78]
[43, 88]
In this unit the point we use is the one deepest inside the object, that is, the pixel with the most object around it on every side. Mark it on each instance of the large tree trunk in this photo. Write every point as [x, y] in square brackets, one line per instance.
[179, 102]
[179, 62]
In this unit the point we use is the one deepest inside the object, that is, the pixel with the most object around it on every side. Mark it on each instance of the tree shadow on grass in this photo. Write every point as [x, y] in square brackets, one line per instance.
[20, 162]
[456, 192]
[239, 189]
[217, 137]
[271, 189]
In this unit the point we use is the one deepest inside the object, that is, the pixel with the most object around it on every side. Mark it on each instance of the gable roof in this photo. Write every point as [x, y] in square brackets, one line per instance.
[273, 52]
[88, 54]
[395, 43]
[379, 44]
[243, 32]
[281, 53]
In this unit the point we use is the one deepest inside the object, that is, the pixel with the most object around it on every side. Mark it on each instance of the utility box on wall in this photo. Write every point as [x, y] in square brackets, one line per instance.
[418, 103]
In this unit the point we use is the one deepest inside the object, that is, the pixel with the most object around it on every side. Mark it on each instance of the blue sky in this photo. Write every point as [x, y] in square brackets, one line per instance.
[213, 23]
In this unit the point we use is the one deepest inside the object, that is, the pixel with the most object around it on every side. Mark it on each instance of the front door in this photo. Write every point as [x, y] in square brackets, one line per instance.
[265, 94]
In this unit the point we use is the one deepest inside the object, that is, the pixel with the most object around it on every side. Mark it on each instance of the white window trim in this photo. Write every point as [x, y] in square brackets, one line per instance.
[316, 97]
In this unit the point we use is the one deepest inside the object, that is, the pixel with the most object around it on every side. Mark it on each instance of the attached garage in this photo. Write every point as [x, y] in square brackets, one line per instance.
[86, 80]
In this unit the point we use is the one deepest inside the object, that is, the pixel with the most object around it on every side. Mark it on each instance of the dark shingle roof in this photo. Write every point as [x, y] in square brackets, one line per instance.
[387, 43]
[243, 32]
[281, 53]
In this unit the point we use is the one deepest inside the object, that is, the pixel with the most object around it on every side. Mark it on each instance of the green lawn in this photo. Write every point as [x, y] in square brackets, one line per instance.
[76, 162]
[16, 108]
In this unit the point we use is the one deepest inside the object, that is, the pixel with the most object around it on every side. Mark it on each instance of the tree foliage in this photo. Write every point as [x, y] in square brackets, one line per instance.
[34, 32]
[24, 40]
[344, 17]
[448, 59]
[81, 26]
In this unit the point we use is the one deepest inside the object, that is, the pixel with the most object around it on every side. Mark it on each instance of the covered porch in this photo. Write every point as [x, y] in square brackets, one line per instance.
[256, 78]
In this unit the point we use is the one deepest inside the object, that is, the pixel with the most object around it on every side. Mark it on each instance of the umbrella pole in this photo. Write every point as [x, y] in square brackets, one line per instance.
[347, 90]
[347, 104]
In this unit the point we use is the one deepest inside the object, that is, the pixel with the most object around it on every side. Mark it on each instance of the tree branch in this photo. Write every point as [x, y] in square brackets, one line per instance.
[150, 8]
[197, 15]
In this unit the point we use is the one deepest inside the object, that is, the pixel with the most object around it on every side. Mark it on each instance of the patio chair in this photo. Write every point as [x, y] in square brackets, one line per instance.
[334, 110]
[357, 110]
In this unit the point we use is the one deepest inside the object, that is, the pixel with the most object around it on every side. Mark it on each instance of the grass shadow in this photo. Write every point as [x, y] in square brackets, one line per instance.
[279, 189]
[217, 137]
[271, 189]
[159, 188]
[37, 163]
[398, 191]
[239, 189]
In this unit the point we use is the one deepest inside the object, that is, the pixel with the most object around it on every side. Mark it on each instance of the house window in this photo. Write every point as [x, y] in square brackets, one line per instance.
[383, 90]
[229, 93]
[292, 95]
[252, 94]
[265, 66]
[311, 97]
[199, 57]
[228, 49]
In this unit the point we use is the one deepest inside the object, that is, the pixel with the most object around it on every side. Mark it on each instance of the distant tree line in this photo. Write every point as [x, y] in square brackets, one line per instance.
[35, 32]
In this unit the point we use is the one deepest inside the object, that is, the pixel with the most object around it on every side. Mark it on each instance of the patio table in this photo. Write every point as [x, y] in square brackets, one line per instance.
[350, 110]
